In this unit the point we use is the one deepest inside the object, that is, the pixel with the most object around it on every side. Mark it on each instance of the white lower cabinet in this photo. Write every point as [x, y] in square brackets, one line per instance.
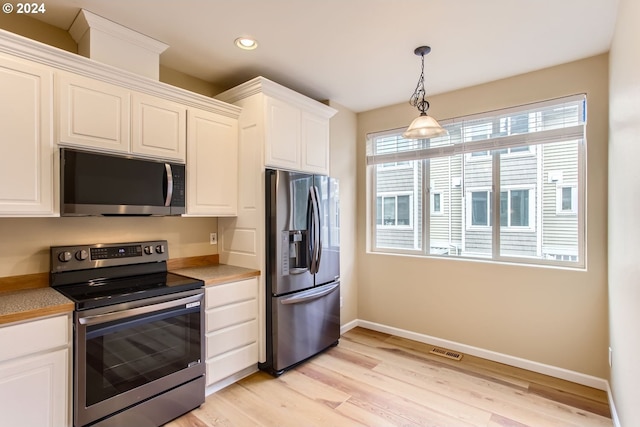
[231, 328]
[34, 376]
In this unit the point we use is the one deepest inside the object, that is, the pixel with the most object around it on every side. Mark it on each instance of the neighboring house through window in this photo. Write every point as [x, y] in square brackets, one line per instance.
[434, 196]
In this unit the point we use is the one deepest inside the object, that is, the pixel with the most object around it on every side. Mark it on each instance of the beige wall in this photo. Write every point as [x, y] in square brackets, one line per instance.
[36, 30]
[25, 242]
[185, 81]
[551, 316]
[343, 159]
[624, 206]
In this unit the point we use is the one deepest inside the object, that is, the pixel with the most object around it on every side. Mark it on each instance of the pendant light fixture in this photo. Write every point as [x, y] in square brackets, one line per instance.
[423, 126]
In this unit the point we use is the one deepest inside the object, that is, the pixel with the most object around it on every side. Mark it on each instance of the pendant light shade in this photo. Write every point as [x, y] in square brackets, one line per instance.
[424, 126]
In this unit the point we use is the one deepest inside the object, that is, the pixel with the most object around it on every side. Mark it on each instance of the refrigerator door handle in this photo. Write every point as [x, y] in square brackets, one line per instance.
[309, 295]
[314, 231]
[318, 230]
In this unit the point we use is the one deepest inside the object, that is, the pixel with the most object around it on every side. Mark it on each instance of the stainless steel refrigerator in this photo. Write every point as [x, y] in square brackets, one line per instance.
[302, 267]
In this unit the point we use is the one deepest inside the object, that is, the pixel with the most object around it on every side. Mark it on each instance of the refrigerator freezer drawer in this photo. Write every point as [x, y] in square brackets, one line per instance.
[305, 324]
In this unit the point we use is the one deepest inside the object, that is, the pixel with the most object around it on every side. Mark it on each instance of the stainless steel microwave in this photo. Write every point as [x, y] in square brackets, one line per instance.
[104, 184]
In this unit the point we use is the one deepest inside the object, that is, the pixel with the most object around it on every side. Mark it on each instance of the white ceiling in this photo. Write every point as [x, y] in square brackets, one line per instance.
[359, 53]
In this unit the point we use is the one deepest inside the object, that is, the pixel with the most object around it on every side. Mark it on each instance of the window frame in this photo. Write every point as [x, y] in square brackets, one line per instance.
[552, 132]
[560, 198]
[395, 195]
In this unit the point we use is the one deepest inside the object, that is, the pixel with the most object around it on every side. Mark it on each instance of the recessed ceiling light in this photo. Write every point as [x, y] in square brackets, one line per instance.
[246, 43]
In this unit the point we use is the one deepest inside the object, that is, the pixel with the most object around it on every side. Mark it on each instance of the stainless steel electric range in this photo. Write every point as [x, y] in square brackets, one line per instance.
[138, 354]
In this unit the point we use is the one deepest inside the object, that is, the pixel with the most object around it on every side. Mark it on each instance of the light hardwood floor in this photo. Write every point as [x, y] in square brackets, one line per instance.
[376, 379]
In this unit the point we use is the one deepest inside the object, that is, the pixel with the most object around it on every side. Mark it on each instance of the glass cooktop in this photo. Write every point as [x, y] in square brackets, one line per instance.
[103, 292]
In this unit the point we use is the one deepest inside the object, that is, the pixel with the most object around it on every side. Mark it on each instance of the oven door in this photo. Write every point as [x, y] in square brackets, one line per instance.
[130, 352]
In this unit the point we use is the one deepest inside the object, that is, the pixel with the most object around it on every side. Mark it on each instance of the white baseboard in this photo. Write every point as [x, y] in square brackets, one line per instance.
[230, 380]
[612, 406]
[518, 362]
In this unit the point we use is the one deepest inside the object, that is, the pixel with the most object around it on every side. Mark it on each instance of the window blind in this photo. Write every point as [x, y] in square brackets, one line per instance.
[545, 122]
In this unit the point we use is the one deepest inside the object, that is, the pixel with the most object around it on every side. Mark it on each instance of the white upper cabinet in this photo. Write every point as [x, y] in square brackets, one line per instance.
[314, 142]
[101, 108]
[295, 127]
[212, 159]
[107, 117]
[158, 127]
[282, 134]
[26, 139]
[93, 114]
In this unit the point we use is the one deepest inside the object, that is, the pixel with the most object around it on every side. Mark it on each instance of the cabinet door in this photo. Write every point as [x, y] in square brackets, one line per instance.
[26, 140]
[212, 164]
[315, 144]
[93, 113]
[282, 135]
[159, 127]
[34, 390]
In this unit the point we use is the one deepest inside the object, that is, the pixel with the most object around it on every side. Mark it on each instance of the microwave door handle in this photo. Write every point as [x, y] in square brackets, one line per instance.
[167, 201]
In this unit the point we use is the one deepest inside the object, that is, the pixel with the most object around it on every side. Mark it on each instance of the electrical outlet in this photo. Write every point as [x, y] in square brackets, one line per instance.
[610, 356]
[213, 238]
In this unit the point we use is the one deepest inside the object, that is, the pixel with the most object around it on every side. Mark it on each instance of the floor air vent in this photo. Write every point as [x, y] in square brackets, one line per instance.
[446, 353]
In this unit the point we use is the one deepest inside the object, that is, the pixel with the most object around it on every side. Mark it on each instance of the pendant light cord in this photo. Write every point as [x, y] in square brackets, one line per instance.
[417, 99]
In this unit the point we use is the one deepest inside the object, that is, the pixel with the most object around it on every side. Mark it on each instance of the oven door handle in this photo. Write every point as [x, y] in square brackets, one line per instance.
[187, 302]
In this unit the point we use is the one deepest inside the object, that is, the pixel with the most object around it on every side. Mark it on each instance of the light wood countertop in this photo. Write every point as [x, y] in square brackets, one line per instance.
[29, 296]
[218, 274]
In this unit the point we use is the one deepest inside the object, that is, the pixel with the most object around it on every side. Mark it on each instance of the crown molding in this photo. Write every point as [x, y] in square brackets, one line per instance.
[86, 21]
[34, 51]
[262, 85]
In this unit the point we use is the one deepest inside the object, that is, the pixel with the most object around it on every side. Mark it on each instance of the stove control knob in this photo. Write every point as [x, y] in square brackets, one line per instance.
[82, 255]
[160, 249]
[148, 250]
[64, 256]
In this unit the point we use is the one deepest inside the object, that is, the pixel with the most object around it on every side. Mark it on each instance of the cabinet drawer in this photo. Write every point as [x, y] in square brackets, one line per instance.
[229, 363]
[228, 293]
[233, 314]
[230, 338]
[34, 336]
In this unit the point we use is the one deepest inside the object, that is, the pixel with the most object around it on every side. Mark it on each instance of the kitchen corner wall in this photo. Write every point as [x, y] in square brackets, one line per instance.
[624, 205]
[343, 160]
[25, 242]
[552, 316]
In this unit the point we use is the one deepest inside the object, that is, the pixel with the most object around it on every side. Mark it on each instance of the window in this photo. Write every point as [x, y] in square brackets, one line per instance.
[393, 211]
[533, 156]
[515, 208]
[480, 208]
[436, 203]
[567, 200]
